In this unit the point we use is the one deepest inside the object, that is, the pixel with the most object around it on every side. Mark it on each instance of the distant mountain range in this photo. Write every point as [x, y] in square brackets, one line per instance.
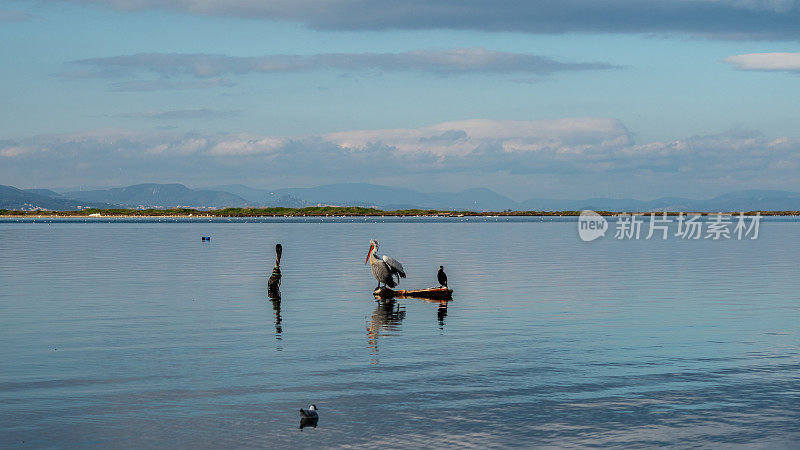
[33, 199]
[482, 199]
[383, 197]
[751, 200]
[153, 195]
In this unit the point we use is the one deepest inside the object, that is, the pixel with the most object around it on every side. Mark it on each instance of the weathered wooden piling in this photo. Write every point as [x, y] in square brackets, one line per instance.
[274, 283]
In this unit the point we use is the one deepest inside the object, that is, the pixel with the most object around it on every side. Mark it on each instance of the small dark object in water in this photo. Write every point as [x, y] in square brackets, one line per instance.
[206, 238]
[310, 413]
[309, 417]
[306, 422]
[442, 276]
[274, 283]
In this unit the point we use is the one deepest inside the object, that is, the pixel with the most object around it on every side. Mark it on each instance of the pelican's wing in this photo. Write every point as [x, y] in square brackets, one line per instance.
[394, 266]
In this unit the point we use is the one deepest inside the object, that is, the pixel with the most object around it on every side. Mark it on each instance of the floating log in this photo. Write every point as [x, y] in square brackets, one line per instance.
[437, 293]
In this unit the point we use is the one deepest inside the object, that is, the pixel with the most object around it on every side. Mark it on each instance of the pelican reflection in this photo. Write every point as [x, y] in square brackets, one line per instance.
[386, 318]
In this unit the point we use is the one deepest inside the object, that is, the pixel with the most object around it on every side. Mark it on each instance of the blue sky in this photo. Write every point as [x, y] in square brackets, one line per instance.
[533, 99]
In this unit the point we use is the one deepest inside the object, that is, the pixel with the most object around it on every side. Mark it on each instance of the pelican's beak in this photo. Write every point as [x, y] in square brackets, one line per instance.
[368, 254]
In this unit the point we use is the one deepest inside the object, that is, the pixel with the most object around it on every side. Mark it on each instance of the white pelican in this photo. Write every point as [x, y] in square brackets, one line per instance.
[384, 269]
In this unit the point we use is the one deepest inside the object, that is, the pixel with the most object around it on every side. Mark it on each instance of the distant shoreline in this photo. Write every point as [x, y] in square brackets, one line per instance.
[323, 211]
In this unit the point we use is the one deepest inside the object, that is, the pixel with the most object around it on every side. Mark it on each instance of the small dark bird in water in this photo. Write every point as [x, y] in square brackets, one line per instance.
[310, 413]
[442, 277]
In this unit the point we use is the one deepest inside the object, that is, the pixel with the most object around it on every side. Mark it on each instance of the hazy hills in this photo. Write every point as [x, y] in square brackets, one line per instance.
[32, 199]
[384, 197]
[160, 196]
[150, 195]
[482, 199]
[154, 195]
[750, 200]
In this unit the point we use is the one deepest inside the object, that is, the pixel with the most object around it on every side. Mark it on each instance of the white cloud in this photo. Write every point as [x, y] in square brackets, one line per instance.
[183, 147]
[463, 137]
[15, 151]
[243, 144]
[787, 62]
[577, 153]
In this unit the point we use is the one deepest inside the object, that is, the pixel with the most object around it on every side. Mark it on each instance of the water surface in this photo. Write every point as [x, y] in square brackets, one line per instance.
[137, 334]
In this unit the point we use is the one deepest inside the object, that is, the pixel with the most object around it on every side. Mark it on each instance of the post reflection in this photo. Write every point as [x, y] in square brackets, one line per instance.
[386, 317]
[274, 293]
[276, 308]
[276, 311]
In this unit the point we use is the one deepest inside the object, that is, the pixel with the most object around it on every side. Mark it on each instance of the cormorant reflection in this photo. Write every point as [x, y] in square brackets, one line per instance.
[441, 310]
[387, 316]
[308, 422]
[441, 313]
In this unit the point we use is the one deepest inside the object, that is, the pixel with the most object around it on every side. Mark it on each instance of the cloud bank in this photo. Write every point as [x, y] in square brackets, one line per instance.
[179, 114]
[13, 16]
[577, 153]
[726, 19]
[205, 66]
[781, 62]
[465, 138]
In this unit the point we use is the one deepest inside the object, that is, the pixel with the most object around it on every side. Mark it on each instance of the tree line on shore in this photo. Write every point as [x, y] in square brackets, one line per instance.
[320, 211]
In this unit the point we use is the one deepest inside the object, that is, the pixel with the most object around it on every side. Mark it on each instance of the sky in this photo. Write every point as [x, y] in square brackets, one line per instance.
[537, 99]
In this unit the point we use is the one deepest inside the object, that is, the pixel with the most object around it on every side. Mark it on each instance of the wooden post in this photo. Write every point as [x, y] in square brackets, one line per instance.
[274, 283]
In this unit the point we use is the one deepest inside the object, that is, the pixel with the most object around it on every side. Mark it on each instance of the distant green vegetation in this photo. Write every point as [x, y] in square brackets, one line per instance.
[286, 212]
[316, 211]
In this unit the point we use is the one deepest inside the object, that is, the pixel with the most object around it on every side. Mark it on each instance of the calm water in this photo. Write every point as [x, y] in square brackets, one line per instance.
[141, 335]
